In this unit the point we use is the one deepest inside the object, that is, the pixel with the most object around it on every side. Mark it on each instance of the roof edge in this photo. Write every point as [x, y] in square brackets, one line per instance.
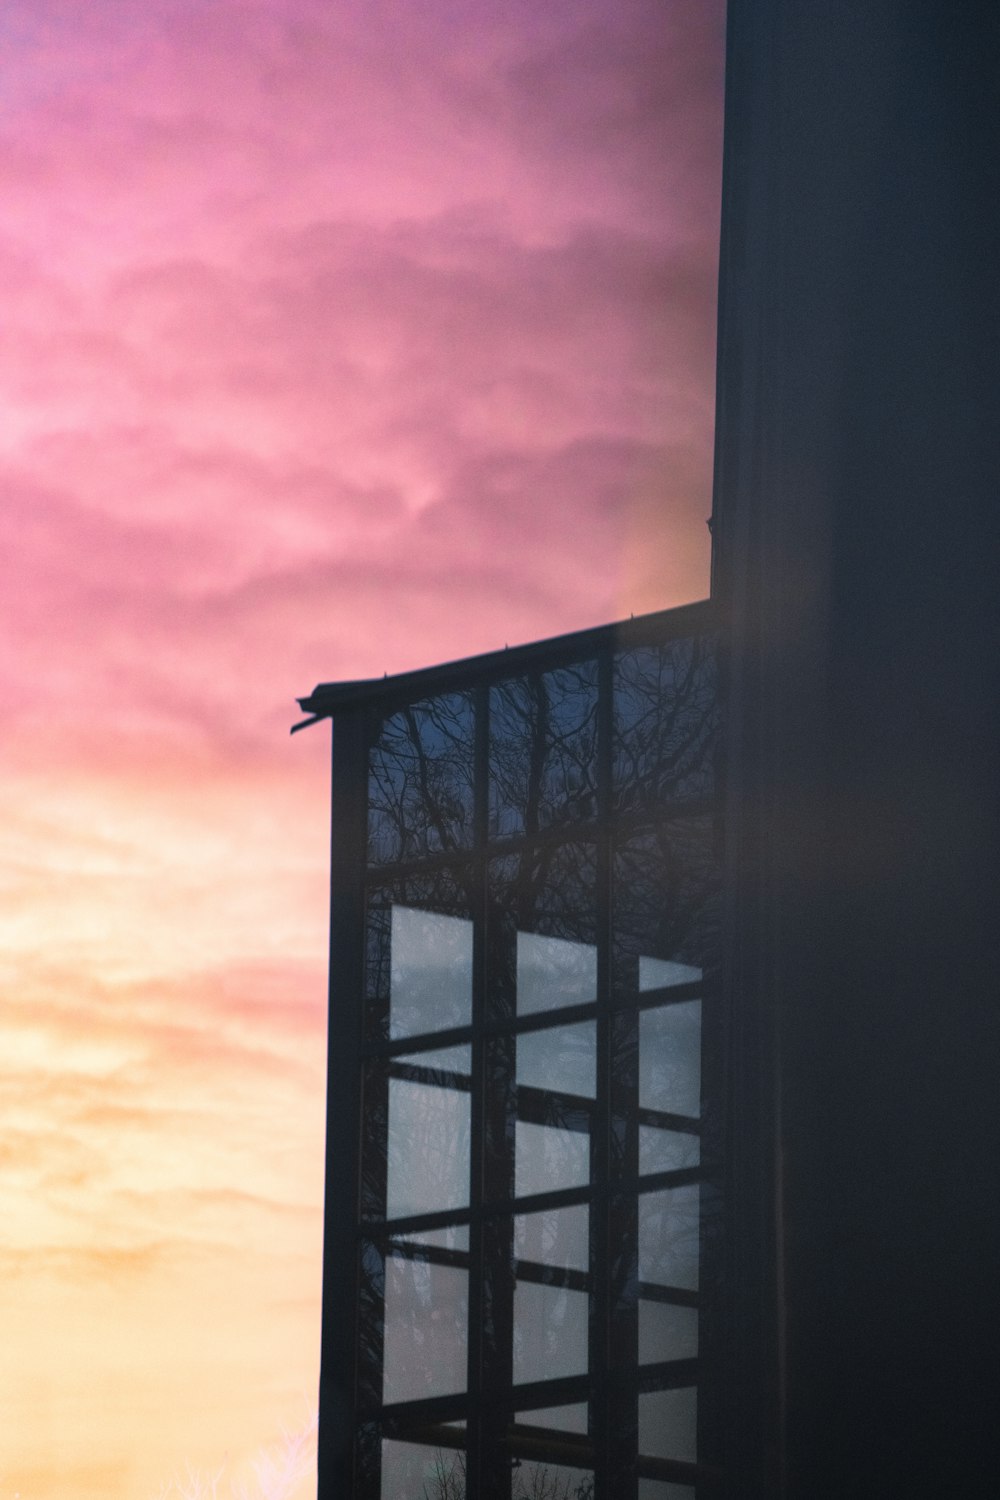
[330, 698]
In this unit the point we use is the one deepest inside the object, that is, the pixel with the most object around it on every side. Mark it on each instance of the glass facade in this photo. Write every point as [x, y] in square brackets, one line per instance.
[524, 1183]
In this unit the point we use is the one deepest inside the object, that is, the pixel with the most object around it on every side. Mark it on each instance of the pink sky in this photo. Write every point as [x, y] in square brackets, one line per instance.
[340, 337]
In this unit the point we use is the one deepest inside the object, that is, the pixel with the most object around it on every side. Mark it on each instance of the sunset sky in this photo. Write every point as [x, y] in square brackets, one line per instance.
[340, 337]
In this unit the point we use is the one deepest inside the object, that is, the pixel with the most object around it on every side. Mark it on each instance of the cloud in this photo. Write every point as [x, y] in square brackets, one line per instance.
[340, 339]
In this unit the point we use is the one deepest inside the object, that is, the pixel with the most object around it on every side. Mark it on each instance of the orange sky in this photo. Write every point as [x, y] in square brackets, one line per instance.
[341, 336]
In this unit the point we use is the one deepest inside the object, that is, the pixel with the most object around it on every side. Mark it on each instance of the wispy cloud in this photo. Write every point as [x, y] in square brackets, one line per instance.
[338, 339]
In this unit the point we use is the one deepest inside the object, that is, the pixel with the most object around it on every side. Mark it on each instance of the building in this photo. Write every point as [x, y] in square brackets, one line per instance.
[526, 1169]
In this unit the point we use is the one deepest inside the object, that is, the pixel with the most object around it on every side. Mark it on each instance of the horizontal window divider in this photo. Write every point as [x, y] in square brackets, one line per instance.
[653, 1291]
[667, 1375]
[708, 1479]
[555, 1198]
[432, 1435]
[460, 857]
[667, 994]
[433, 1254]
[430, 1041]
[624, 822]
[379, 1230]
[437, 1077]
[541, 1020]
[541, 1275]
[682, 1177]
[566, 1390]
[426, 1041]
[550, 1446]
[399, 1417]
[549, 1107]
[662, 1119]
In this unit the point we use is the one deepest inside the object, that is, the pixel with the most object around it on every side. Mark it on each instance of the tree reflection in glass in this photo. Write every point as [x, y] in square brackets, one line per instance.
[559, 1058]
[420, 797]
[426, 1328]
[548, 1157]
[553, 971]
[428, 1149]
[543, 743]
[550, 1332]
[665, 906]
[665, 721]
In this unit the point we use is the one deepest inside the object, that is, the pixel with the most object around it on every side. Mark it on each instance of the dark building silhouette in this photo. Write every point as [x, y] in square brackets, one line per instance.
[813, 875]
[856, 568]
[526, 1120]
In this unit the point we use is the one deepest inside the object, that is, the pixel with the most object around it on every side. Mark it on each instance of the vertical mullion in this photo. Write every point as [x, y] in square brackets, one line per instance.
[499, 1106]
[477, 1154]
[340, 1324]
[601, 1365]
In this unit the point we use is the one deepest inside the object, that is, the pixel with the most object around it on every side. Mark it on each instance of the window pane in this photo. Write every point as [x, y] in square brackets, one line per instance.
[420, 780]
[662, 1489]
[541, 1481]
[418, 954]
[543, 743]
[546, 1158]
[670, 1058]
[428, 1153]
[561, 1058]
[668, 1424]
[665, 906]
[554, 1237]
[550, 1332]
[668, 1236]
[562, 1418]
[415, 1471]
[666, 1331]
[543, 927]
[552, 972]
[430, 984]
[426, 1328]
[664, 723]
[666, 1150]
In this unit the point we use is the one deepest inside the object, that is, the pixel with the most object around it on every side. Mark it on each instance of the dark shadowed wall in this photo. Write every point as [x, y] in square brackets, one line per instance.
[856, 557]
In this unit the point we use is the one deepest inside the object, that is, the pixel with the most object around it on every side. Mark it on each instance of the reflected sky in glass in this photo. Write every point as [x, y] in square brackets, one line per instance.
[426, 1329]
[430, 982]
[547, 1157]
[662, 1489]
[550, 1332]
[552, 972]
[668, 1236]
[666, 1331]
[563, 1058]
[668, 1423]
[666, 1150]
[554, 1237]
[670, 1058]
[416, 1471]
[428, 1151]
